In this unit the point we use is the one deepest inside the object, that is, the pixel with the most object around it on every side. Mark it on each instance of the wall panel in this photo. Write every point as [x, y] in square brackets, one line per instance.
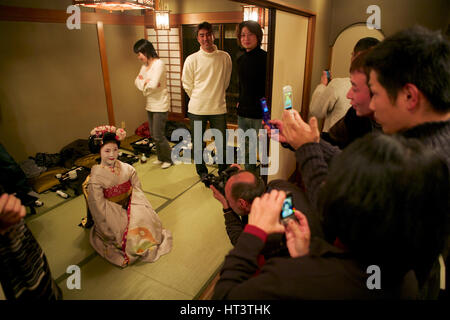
[288, 69]
[51, 86]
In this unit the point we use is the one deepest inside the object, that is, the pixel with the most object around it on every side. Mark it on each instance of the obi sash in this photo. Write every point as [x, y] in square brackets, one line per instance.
[121, 194]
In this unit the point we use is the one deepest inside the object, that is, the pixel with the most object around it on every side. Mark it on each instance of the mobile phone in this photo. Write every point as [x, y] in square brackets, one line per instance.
[287, 97]
[266, 112]
[287, 210]
[328, 75]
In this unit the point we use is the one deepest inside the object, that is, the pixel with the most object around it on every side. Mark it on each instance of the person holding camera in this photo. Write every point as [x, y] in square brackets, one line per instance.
[241, 188]
[374, 219]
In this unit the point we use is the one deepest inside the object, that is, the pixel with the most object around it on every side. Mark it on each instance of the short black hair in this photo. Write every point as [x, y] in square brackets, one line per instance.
[248, 191]
[253, 27]
[418, 56]
[204, 25]
[386, 199]
[359, 64]
[364, 44]
[146, 48]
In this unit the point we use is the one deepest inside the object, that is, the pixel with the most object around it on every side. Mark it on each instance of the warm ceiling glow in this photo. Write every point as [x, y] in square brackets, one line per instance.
[116, 5]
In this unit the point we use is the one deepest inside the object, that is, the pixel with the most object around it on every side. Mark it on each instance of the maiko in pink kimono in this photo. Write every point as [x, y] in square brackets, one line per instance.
[126, 228]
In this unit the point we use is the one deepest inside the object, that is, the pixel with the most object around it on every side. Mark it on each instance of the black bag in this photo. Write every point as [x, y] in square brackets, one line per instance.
[73, 151]
[48, 160]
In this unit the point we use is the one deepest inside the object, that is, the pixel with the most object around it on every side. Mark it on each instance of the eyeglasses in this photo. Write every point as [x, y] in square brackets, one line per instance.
[248, 35]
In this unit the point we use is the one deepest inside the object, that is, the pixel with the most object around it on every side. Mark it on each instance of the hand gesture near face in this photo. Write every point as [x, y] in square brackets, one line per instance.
[298, 132]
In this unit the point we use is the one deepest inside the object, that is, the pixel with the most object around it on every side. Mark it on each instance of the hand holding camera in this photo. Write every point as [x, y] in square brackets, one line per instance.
[298, 235]
[219, 197]
[265, 212]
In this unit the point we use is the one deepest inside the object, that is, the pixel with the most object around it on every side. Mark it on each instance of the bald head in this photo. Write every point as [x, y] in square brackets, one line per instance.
[241, 189]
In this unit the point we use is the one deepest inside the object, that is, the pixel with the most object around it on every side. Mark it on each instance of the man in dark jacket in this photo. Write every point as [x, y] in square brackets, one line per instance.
[410, 83]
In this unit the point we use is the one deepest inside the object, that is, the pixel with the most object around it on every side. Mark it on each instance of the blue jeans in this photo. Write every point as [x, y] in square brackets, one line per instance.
[252, 146]
[217, 121]
[157, 125]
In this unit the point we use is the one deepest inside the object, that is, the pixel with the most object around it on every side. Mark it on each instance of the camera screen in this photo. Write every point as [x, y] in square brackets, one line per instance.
[264, 105]
[288, 100]
[287, 209]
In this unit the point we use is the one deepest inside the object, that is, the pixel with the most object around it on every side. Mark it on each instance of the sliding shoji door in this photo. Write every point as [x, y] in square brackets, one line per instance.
[167, 44]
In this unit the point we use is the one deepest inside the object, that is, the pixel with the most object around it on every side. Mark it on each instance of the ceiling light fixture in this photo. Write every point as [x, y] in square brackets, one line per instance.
[118, 5]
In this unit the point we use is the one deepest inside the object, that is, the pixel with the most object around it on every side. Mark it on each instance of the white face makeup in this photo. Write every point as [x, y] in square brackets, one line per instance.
[109, 153]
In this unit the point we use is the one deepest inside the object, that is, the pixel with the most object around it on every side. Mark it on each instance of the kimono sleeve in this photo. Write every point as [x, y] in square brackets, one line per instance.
[109, 217]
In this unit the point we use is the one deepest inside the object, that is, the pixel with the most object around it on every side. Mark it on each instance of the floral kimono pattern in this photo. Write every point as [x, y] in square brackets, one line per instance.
[126, 228]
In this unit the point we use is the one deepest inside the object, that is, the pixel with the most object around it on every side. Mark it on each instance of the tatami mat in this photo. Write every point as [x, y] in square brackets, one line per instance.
[63, 242]
[185, 206]
[200, 242]
[101, 280]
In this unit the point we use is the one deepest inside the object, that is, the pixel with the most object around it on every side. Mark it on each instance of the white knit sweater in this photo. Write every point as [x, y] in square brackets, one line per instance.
[330, 102]
[155, 90]
[206, 77]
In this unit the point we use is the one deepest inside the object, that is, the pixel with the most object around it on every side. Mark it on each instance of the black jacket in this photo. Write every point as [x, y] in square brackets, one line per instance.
[252, 82]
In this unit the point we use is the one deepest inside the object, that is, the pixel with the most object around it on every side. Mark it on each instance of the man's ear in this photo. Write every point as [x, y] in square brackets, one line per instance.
[244, 204]
[411, 96]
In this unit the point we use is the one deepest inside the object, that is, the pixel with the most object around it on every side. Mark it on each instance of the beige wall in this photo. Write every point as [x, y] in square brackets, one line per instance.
[395, 14]
[61, 95]
[288, 69]
[128, 101]
[323, 10]
[51, 87]
[343, 47]
[197, 6]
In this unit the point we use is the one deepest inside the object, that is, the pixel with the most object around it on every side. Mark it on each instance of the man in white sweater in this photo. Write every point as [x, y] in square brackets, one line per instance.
[206, 76]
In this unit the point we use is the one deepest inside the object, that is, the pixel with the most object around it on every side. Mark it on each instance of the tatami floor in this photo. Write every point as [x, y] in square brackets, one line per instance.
[186, 207]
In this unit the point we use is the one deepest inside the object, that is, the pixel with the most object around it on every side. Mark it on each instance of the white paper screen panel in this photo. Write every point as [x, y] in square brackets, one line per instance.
[167, 45]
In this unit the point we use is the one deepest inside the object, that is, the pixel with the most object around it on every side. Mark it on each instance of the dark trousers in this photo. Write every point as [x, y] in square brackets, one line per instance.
[217, 121]
[157, 124]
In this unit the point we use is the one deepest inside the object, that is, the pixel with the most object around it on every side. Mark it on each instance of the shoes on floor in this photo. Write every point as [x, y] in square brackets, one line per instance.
[165, 165]
[157, 162]
[38, 203]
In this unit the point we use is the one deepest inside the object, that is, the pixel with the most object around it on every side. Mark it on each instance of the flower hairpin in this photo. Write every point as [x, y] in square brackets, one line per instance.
[100, 131]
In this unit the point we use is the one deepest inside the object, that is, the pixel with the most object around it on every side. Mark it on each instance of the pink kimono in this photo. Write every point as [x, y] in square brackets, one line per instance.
[126, 228]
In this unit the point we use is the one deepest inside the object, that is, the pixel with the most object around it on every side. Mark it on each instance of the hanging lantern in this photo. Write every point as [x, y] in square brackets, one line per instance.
[118, 5]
